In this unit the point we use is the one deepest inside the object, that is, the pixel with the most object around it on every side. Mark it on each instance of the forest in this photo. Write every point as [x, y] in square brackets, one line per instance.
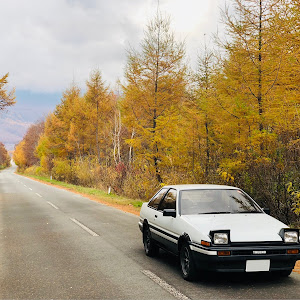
[7, 99]
[234, 120]
[4, 157]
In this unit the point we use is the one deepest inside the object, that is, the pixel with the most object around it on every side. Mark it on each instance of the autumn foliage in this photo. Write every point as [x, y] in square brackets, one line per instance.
[4, 157]
[7, 98]
[235, 120]
[25, 152]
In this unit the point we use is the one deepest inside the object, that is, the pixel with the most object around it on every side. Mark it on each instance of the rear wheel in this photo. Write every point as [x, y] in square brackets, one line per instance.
[151, 249]
[188, 268]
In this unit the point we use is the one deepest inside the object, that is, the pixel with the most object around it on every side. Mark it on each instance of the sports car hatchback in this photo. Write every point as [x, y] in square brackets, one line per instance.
[217, 228]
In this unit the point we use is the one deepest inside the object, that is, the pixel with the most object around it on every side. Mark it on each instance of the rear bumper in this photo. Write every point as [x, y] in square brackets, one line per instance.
[209, 260]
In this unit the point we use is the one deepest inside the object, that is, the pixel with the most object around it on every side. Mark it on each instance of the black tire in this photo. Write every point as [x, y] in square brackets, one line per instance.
[187, 265]
[151, 249]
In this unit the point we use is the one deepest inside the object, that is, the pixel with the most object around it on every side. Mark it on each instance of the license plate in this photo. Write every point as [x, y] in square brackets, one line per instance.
[258, 265]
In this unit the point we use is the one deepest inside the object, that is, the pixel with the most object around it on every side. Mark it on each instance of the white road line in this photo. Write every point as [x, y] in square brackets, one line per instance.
[52, 205]
[91, 232]
[30, 189]
[39, 195]
[165, 285]
[25, 185]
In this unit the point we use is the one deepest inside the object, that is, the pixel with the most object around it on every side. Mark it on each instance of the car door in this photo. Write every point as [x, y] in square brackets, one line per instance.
[153, 212]
[165, 225]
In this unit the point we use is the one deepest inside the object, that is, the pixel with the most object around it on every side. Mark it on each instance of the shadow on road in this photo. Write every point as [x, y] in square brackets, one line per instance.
[227, 279]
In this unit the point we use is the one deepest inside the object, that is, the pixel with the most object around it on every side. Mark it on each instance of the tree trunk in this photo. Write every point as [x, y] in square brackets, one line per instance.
[207, 149]
[259, 94]
[97, 133]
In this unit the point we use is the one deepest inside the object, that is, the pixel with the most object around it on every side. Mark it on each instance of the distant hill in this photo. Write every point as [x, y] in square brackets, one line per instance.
[12, 129]
[30, 108]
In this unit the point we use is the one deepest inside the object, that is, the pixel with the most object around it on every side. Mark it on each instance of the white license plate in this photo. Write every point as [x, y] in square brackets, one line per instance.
[258, 265]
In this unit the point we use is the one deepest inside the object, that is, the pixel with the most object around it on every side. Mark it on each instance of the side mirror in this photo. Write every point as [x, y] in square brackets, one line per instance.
[169, 212]
[266, 210]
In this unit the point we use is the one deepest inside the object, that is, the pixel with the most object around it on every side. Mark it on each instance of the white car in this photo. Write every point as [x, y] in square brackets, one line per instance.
[217, 228]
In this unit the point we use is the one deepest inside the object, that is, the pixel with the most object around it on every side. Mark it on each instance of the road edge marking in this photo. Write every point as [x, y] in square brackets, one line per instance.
[39, 195]
[91, 232]
[169, 288]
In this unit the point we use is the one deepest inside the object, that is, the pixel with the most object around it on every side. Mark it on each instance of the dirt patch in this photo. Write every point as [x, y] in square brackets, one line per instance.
[126, 208]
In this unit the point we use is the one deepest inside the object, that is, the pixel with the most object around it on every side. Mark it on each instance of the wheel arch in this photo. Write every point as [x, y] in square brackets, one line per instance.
[182, 239]
[145, 224]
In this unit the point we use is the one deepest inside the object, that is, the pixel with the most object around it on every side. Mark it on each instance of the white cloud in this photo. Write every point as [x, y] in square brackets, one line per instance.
[47, 44]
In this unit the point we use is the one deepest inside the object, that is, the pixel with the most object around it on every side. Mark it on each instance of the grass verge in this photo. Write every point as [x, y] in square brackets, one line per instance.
[123, 203]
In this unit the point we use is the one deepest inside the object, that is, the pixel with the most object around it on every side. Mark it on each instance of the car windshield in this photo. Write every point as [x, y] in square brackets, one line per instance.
[216, 202]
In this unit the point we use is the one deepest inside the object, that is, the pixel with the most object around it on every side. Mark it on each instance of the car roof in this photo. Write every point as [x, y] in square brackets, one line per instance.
[181, 187]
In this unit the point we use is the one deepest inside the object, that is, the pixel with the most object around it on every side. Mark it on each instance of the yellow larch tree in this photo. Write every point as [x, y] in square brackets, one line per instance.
[154, 94]
[101, 113]
[4, 157]
[255, 86]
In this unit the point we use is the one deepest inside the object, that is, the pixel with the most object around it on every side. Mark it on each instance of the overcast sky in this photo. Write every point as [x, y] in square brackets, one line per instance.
[48, 44]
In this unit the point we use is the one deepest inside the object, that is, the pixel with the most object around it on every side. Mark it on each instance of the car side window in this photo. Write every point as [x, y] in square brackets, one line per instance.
[157, 198]
[169, 202]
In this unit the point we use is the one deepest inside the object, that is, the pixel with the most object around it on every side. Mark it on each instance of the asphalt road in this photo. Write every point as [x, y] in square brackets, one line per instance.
[55, 244]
